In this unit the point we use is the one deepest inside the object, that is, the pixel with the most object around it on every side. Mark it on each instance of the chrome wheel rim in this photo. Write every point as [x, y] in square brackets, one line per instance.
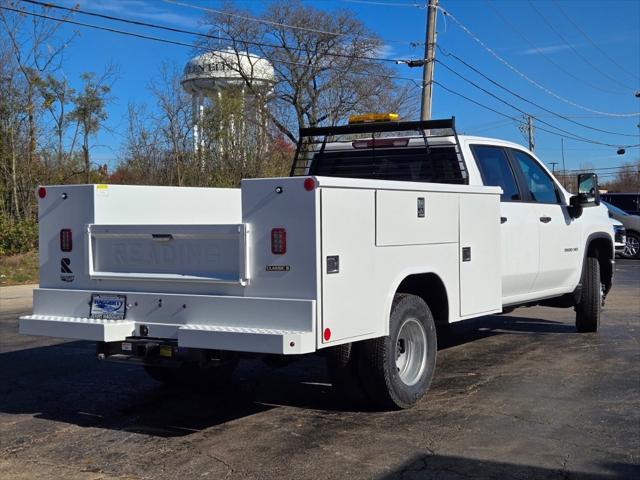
[411, 351]
[632, 247]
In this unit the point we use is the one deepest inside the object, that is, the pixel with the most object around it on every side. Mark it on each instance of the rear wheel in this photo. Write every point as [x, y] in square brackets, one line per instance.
[590, 304]
[632, 247]
[397, 369]
[344, 371]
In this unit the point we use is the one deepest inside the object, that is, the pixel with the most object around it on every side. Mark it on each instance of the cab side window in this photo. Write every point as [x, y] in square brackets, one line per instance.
[496, 170]
[541, 186]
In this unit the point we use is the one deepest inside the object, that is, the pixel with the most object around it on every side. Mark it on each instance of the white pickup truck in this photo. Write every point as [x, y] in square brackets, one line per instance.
[383, 231]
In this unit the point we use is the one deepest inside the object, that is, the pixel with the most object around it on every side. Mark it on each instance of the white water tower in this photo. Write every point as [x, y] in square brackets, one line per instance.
[209, 76]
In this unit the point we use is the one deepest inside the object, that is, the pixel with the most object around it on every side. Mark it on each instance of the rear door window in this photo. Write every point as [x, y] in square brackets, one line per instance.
[496, 170]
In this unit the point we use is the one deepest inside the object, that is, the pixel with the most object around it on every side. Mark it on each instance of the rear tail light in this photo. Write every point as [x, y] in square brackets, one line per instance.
[278, 241]
[42, 192]
[309, 184]
[66, 241]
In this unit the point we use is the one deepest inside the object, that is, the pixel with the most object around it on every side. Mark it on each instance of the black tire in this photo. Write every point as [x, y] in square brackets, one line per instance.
[632, 247]
[590, 304]
[382, 378]
[191, 375]
[343, 369]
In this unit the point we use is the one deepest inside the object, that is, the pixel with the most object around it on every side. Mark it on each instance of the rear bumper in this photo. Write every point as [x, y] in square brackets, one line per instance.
[242, 324]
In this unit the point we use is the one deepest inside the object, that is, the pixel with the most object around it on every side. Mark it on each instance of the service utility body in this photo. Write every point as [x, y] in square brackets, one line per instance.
[383, 230]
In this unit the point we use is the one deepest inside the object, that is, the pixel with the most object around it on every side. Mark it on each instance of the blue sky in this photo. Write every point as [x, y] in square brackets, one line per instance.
[536, 39]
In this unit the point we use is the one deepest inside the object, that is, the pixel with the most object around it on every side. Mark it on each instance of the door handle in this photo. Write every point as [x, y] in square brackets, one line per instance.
[503, 219]
[545, 219]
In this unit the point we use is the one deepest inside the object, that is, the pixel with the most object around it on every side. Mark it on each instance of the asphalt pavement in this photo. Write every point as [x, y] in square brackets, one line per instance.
[514, 396]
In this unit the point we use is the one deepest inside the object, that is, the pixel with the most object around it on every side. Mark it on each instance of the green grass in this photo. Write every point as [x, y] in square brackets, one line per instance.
[19, 269]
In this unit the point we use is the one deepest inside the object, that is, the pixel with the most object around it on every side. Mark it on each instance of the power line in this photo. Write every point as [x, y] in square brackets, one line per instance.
[279, 24]
[497, 84]
[594, 44]
[584, 115]
[482, 105]
[173, 42]
[612, 174]
[387, 4]
[506, 20]
[622, 167]
[585, 59]
[252, 19]
[190, 32]
[270, 22]
[88, 25]
[528, 79]
[575, 135]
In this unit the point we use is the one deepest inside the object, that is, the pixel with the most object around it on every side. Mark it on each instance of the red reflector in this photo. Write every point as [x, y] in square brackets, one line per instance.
[42, 192]
[309, 184]
[278, 241]
[66, 241]
[327, 334]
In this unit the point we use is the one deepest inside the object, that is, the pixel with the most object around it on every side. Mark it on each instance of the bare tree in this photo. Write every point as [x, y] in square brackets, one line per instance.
[174, 122]
[324, 63]
[142, 161]
[89, 112]
[626, 179]
[159, 146]
[57, 94]
[30, 49]
[10, 99]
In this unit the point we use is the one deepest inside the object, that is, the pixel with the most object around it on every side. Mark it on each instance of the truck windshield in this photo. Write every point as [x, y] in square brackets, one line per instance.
[438, 164]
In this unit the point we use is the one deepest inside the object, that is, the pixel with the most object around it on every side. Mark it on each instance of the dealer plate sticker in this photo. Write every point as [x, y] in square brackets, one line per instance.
[108, 307]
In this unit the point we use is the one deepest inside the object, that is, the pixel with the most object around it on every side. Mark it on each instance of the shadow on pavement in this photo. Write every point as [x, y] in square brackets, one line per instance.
[443, 467]
[65, 383]
[478, 328]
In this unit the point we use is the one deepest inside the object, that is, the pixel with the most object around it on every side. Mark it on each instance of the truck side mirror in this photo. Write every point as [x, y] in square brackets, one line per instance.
[588, 189]
[588, 194]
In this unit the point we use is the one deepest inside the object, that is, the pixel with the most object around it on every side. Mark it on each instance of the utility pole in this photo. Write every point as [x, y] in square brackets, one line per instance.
[527, 129]
[564, 167]
[429, 62]
[553, 167]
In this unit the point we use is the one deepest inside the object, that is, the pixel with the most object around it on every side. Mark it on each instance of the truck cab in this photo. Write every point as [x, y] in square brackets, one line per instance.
[543, 241]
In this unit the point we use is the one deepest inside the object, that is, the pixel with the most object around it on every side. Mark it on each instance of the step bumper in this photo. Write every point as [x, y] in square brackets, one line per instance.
[259, 340]
[242, 324]
[76, 328]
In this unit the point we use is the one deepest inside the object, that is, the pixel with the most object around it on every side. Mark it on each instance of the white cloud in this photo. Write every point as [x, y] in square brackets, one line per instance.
[552, 48]
[152, 11]
[384, 51]
[560, 47]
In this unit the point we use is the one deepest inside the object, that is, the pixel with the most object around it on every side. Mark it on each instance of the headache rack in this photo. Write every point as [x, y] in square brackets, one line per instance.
[431, 152]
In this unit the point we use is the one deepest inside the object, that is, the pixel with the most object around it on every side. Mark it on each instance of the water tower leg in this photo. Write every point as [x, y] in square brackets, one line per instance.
[201, 118]
[195, 109]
